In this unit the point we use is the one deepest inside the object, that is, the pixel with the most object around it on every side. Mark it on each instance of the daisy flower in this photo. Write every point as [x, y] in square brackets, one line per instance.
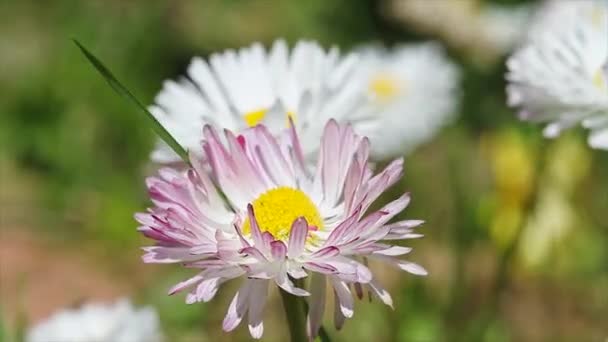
[253, 211]
[559, 76]
[95, 322]
[239, 89]
[412, 91]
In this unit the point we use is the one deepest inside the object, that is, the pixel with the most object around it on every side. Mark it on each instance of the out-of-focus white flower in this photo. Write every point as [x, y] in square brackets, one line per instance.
[559, 76]
[277, 221]
[94, 322]
[239, 89]
[482, 31]
[412, 91]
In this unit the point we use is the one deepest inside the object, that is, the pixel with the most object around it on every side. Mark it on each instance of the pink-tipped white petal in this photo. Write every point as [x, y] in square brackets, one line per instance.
[297, 238]
[278, 250]
[283, 282]
[257, 301]
[316, 305]
[343, 297]
[381, 293]
[238, 307]
[412, 268]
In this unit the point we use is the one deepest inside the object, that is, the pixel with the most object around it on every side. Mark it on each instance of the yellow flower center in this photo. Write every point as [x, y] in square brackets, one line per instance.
[254, 117]
[277, 209]
[598, 79]
[384, 87]
[597, 15]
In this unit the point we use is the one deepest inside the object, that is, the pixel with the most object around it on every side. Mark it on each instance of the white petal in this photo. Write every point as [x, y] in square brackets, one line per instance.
[317, 305]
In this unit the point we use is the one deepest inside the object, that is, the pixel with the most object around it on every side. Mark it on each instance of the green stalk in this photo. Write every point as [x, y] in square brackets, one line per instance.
[295, 315]
[124, 92]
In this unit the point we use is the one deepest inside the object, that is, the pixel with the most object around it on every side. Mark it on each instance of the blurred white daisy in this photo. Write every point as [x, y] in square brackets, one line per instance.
[94, 322]
[559, 76]
[412, 90]
[239, 89]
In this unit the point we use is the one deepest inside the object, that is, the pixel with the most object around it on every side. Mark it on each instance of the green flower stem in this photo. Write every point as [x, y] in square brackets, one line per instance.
[295, 315]
[124, 92]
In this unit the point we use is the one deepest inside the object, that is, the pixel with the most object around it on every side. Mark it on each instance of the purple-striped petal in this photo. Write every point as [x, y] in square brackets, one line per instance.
[238, 307]
[297, 237]
[326, 252]
[257, 301]
[278, 250]
[282, 280]
[317, 305]
[343, 297]
[185, 284]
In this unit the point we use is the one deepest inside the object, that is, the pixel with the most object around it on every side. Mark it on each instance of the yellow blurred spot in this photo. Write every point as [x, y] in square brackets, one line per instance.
[513, 165]
[291, 115]
[254, 117]
[505, 223]
[550, 223]
[277, 209]
[384, 86]
[598, 14]
[568, 163]
[599, 80]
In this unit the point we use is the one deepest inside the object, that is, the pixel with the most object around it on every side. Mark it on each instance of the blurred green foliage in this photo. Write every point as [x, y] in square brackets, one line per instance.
[87, 151]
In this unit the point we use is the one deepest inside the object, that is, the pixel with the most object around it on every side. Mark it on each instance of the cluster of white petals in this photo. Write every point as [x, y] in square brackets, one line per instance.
[560, 74]
[398, 98]
[98, 322]
[240, 89]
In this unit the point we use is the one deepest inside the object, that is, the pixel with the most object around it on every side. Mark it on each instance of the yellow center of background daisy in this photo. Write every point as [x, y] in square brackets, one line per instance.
[598, 79]
[597, 15]
[277, 209]
[384, 87]
[254, 117]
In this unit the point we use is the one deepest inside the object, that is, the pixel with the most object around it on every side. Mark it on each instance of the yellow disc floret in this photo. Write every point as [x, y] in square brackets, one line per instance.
[598, 15]
[277, 209]
[291, 115]
[254, 117]
[599, 80]
[384, 87]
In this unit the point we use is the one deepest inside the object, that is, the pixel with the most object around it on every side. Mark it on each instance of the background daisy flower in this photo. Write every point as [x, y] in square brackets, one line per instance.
[412, 92]
[239, 89]
[116, 322]
[276, 222]
[559, 76]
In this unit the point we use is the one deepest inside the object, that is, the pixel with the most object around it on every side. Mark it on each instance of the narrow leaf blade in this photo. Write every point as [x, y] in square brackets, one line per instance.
[124, 92]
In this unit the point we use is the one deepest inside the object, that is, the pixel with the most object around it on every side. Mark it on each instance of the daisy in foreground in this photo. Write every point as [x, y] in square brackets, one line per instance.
[560, 76]
[412, 91]
[239, 89]
[95, 322]
[255, 212]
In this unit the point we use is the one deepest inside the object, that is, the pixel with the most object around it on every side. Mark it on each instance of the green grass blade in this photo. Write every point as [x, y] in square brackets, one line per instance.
[123, 91]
